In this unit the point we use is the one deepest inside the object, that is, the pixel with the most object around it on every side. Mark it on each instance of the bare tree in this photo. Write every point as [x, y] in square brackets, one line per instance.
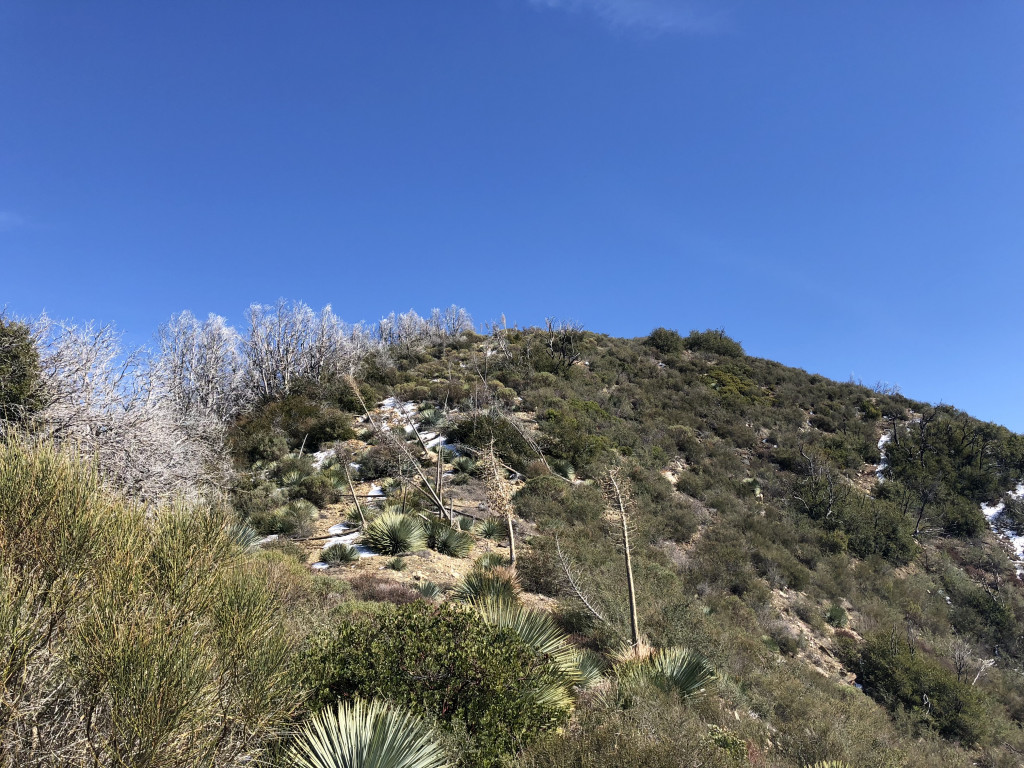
[563, 341]
[289, 342]
[200, 366]
[106, 402]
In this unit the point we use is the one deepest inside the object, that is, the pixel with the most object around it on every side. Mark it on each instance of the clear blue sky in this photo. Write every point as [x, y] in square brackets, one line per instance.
[838, 185]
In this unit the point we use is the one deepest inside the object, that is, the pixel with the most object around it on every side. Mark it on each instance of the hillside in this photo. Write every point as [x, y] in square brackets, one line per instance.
[822, 571]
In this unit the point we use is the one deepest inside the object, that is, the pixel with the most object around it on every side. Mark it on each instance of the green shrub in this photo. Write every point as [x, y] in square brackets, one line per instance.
[287, 548]
[291, 519]
[480, 430]
[490, 560]
[492, 528]
[897, 674]
[677, 669]
[713, 341]
[160, 618]
[429, 589]
[836, 616]
[20, 372]
[442, 663]
[396, 564]
[665, 341]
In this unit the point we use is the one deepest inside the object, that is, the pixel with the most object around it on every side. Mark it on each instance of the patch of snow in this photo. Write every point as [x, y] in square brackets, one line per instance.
[1015, 538]
[882, 464]
[340, 528]
[376, 490]
[321, 456]
[267, 540]
[355, 466]
[350, 539]
[319, 566]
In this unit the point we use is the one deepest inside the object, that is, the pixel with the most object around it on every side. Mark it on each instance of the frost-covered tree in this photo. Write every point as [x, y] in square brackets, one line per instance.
[289, 342]
[199, 366]
[107, 402]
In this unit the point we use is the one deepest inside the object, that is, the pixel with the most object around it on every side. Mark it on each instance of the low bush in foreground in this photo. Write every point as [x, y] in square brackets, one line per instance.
[440, 662]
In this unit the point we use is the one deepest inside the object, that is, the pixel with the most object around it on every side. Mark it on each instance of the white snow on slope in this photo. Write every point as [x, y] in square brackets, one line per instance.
[1015, 538]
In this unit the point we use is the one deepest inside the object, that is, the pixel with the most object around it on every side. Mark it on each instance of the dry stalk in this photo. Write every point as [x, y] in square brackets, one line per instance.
[499, 495]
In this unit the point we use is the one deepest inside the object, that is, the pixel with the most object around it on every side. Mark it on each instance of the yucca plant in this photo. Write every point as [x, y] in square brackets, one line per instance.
[429, 589]
[242, 535]
[500, 584]
[444, 539]
[490, 560]
[465, 523]
[396, 564]
[491, 528]
[338, 554]
[391, 533]
[678, 669]
[429, 417]
[464, 464]
[537, 630]
[563, 468]
[365, 735]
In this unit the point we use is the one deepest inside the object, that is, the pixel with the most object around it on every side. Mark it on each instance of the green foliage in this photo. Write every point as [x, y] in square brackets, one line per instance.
[291, 519]
[361, 734]
[547, 499]
[129, 638]
[429, 589]
[439, 662]
[491, 528]
[396, 564]
[836, 616]
[277, 426]
[539, 632]
[392, 533]
[20, 373]
[478, 430]
[658, 731]
[713, 341]
[572, 431]
[898, 675]
[491, 560]
[665, 341]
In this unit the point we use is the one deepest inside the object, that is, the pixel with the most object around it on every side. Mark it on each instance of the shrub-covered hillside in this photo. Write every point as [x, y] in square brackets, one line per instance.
[532, 547]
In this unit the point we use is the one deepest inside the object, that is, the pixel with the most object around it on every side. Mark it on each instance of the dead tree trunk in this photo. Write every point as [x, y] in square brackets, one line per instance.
[618, 492]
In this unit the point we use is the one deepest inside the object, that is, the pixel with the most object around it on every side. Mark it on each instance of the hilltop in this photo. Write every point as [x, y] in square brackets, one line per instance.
[835, 567]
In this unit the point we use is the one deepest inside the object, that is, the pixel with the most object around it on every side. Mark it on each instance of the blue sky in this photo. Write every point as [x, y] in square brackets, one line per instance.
[838, 185]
